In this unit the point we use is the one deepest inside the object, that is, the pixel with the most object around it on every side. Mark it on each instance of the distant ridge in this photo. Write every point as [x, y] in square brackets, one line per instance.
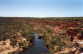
[29, 19]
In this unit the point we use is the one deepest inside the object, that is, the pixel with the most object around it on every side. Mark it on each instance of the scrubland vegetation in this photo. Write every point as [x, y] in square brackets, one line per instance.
[61, 35]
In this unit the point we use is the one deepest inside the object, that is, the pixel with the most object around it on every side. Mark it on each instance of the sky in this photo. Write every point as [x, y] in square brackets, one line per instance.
[41, 8]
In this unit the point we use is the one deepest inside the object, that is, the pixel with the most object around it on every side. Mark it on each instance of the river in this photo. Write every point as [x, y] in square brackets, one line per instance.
[37, 48]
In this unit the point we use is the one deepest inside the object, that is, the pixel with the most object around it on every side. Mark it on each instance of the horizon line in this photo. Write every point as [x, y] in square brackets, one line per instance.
[42, 16]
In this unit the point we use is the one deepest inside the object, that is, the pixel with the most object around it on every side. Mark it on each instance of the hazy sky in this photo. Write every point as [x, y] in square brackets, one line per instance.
[41, 8]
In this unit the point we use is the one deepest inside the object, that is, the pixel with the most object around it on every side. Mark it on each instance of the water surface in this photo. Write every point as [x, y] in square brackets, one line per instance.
[37, 48]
